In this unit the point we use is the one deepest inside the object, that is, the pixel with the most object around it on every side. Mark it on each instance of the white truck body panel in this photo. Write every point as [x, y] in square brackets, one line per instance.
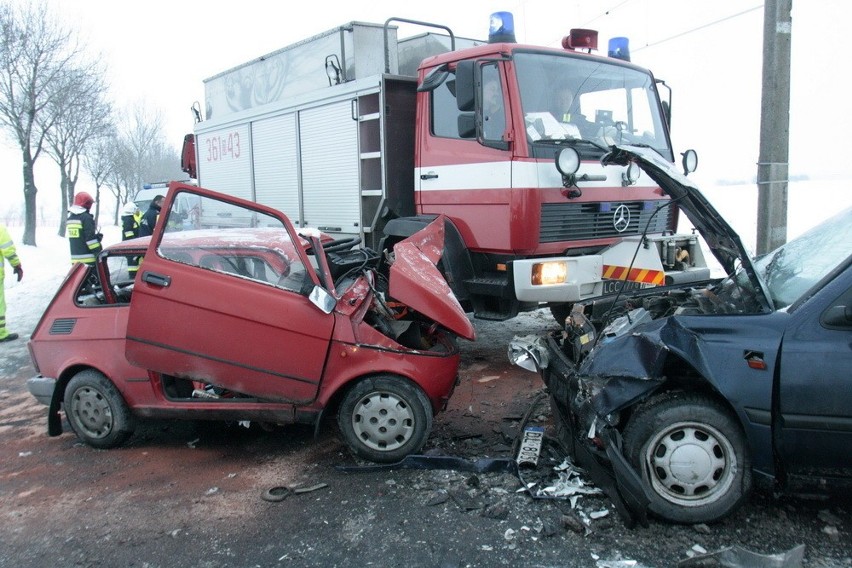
[276, 164]
[302, 157]
[329, 145]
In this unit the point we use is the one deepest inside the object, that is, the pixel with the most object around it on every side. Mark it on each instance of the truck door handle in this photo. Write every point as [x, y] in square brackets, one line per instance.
[430, 175]
[156, 279]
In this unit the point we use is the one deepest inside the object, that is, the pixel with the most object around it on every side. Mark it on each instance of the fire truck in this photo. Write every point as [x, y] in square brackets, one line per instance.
[366, 136]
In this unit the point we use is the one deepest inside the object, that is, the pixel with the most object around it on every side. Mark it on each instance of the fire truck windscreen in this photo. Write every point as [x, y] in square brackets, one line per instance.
[569, 97]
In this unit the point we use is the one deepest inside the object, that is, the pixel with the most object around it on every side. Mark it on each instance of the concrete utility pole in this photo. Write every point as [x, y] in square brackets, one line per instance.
[772, 166]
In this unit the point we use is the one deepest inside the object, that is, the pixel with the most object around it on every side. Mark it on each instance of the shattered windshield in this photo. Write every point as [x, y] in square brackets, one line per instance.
[792, 269]
[566, 97]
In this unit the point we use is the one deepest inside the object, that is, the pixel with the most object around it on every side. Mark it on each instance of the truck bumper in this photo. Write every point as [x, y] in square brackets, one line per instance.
[582, 279]
[42, 388]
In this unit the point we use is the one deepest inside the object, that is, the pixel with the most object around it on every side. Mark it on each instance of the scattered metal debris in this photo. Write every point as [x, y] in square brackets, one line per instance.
[739, 557]
[281, 492]
[484, 465]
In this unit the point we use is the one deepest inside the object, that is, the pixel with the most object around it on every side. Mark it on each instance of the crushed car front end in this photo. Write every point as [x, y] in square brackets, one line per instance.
[673, 397]
[589, 412]
[615, 353]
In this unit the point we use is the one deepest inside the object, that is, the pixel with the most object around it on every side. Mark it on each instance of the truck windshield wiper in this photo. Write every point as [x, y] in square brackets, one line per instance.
[584, 142]
[572, 142]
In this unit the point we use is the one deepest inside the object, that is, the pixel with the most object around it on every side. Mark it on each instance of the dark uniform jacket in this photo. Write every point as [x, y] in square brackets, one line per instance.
[129, 227]
[83, 238]
[149, 220]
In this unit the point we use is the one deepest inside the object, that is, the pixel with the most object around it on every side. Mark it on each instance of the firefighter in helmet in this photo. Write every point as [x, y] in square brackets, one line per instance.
[83, 238]
[130, 217]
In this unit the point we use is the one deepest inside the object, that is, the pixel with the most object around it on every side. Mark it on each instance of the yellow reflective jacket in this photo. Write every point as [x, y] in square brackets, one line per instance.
[7, 248]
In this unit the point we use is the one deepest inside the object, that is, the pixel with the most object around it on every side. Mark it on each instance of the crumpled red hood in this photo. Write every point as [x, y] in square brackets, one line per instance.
[416, 281]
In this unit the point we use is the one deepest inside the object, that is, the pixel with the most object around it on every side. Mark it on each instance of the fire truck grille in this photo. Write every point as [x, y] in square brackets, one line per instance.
[583, 221]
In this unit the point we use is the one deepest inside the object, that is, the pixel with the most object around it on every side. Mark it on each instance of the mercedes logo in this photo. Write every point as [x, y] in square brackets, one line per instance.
[621, 219]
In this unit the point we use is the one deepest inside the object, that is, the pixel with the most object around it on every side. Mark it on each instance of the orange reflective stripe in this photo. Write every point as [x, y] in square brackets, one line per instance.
[641, 275]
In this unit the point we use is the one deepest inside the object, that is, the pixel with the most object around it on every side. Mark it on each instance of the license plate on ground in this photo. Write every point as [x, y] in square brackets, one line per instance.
[530, 445]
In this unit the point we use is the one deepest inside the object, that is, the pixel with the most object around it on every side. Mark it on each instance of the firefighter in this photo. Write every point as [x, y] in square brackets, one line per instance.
[83, 238]
[566, 109]
[7, 247]
[130, 217]
[149, 219]
[493, 111]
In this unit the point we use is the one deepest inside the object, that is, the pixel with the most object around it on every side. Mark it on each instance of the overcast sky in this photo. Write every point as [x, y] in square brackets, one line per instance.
[710, 52]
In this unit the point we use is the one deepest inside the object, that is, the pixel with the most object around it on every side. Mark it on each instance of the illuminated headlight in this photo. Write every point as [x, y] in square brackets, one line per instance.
[554, 272]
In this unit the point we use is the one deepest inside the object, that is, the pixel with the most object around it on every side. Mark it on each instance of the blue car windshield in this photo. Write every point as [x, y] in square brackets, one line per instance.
[792, 269]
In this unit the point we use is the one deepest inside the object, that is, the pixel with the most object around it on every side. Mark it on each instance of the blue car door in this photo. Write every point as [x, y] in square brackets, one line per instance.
[814, 433]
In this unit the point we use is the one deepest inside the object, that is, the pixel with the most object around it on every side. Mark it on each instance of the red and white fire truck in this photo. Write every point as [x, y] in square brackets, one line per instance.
[362, 135]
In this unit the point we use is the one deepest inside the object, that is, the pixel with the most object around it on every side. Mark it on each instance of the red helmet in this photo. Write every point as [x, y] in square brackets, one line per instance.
[84, 200]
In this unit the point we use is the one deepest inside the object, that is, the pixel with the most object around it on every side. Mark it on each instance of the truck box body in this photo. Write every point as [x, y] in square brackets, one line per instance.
[328, 162]
[298, 69]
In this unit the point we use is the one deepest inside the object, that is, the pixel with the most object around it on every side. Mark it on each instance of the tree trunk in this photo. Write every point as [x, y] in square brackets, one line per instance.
[63, 214]
[97, 207]
[30, 191]
[67, 192]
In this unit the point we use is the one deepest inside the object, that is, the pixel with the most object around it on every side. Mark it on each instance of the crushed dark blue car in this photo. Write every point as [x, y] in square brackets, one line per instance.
[677, 399]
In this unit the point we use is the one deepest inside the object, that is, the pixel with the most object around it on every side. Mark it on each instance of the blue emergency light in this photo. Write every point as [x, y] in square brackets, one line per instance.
[618, 48]
[501, 28]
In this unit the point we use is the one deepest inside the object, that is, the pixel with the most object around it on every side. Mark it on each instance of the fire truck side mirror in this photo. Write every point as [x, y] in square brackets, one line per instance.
[465, 86]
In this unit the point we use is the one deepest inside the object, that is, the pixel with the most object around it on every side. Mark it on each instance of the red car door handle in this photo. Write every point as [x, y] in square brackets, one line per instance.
[156, 279]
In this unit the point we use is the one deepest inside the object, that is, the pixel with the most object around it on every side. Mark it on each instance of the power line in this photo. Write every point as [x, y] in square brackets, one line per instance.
[710, 24]
[609, 12]
[606, 13]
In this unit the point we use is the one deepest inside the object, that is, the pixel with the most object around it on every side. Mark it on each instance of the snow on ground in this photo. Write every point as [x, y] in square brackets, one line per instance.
[45, 266]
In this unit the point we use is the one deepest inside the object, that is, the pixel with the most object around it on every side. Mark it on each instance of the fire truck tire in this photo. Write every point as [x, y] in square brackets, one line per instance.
[385, 418]
[96, 410]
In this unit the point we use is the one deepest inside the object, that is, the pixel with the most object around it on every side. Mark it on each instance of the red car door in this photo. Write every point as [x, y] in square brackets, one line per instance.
[222, 296]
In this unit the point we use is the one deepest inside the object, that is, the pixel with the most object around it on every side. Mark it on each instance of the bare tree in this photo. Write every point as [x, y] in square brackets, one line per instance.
[122, 179]
[141, 133]
[140, 155]
[35, 53]
[100, 163]
[81, 116]
[163, 164]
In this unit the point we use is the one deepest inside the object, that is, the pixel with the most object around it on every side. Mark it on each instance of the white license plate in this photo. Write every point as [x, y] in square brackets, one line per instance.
[530, 445]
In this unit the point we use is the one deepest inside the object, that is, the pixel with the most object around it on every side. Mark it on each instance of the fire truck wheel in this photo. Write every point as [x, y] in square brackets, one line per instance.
[385, 418]
[96, 410]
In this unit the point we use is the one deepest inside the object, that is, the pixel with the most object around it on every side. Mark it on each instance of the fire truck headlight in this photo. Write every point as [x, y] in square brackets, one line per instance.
[553, 272]
[568, 161]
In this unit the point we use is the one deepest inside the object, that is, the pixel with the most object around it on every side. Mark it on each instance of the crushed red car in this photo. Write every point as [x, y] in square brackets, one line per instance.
[228, 313]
